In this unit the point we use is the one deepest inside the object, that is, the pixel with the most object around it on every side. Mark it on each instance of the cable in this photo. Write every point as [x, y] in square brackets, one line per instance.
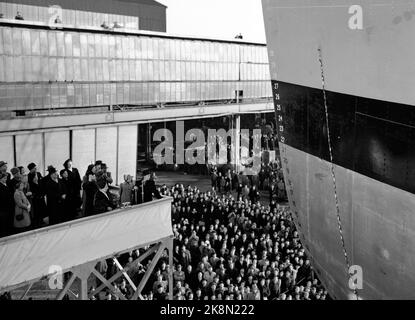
[339, 223]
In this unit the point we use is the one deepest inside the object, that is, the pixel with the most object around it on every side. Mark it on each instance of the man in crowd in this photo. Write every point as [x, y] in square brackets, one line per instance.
[32, 172]
[150, 190]
[75, 182]
[39, 210]
[55, 196]
[69, 203]
[103, 199]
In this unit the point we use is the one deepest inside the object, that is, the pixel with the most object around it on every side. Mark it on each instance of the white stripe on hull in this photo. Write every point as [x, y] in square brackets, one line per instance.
[378, 226]
[375, 62]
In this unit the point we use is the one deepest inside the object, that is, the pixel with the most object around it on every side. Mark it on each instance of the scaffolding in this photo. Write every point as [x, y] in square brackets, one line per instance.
[75, 248]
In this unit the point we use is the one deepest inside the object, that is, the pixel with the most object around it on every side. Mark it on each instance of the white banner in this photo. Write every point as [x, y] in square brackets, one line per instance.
[31, 255]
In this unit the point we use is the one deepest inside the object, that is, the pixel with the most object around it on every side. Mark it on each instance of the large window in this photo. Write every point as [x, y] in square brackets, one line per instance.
[193, 69]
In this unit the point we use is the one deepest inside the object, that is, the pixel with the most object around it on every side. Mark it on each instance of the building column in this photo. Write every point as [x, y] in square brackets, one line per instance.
[237, 150]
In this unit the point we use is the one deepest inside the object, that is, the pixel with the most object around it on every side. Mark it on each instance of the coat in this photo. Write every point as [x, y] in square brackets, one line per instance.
[213, 179]
[12, 184]
[71, 202]
[102, 202]
[21, 208]
[126, 192]
[6, 209]
[75, 182]
[89, 190]
[54, 200]
[150, 191]
[39, 210]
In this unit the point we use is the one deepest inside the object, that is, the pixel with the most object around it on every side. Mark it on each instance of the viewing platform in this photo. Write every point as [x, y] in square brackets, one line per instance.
[77, 246]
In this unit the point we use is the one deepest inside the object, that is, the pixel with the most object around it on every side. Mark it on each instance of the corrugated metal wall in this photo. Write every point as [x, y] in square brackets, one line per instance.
[41, 69]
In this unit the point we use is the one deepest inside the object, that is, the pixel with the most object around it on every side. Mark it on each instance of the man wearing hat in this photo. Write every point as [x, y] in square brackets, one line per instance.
[32, 167]
[32, 173]
[102, 198]
[6, 206]
[75, 182]
[150, 190]
[55, 196]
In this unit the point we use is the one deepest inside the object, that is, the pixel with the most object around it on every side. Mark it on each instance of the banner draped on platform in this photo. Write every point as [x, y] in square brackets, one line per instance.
[29, 256]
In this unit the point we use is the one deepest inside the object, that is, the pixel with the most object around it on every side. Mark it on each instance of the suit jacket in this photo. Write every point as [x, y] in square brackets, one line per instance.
[54, 200]
[150, 190]
[6, 210]
[102, 202]
[75, 179]
[6, 201]
[30, 177]
[89, 190]
[12, 184]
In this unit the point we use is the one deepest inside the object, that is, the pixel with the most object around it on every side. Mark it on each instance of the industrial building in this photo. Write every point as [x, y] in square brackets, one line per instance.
[91, 80]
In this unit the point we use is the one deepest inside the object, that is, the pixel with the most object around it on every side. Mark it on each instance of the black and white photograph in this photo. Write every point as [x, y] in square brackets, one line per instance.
[214, 156]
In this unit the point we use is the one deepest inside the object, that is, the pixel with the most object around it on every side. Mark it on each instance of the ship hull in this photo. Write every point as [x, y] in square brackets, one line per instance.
[368, 82]
[378, 226]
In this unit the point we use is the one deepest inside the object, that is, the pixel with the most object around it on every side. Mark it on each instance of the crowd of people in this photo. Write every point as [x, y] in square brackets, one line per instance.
[224, 249]
[270, 179]
[29, 200]
[228, 244]
[238, 249]
[269, 140]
